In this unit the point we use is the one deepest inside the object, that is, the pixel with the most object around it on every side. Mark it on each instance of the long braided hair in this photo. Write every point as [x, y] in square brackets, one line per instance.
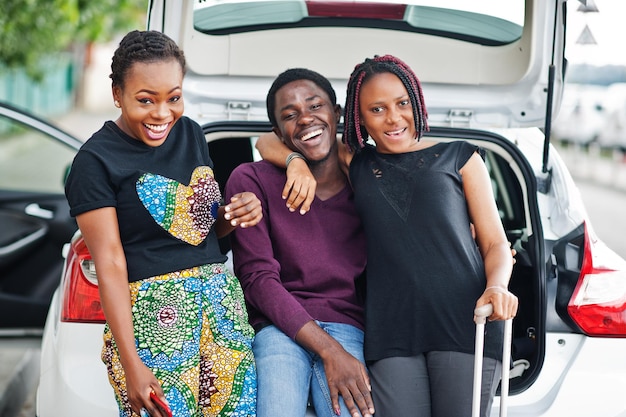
[144, 47]
[354, 134]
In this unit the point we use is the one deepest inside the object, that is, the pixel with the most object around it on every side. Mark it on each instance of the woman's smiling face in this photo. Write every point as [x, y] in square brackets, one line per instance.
[151, 100]
[387, 114]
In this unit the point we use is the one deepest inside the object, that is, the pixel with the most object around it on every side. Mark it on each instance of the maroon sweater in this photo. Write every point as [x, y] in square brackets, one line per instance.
[295, 268]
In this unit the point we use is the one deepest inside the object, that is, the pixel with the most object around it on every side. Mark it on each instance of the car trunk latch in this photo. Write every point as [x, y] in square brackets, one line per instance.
[460, 117]
[239, 110]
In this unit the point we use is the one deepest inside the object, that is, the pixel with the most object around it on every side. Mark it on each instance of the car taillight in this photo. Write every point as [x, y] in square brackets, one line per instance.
[361, 10]
[598, 304]
[81, 299]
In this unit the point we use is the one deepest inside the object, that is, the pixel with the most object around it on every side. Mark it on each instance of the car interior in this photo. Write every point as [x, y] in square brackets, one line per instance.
[35, 224]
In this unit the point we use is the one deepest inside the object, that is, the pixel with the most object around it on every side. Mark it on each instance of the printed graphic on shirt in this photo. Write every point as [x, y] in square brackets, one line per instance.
[392, 184]
[187, 212]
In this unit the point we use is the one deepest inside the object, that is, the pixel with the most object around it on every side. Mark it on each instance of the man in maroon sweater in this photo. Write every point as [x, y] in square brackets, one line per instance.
[301, 274]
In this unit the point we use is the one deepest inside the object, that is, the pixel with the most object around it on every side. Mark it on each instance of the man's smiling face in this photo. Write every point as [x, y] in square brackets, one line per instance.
[307, 119]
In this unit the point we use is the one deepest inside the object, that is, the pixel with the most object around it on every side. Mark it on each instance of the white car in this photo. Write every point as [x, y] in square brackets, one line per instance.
[490, 76]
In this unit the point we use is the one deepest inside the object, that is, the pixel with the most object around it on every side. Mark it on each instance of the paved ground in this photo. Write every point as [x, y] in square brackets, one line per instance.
[595, 166]
[84, 123]
[19, 373]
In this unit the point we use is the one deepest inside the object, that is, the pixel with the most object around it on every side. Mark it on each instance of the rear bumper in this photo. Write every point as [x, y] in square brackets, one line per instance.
[73, 380]
[581, 376]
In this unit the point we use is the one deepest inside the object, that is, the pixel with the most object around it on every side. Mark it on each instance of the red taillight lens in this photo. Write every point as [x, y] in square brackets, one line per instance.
[81, 299]
[356, 9]
[598, 304]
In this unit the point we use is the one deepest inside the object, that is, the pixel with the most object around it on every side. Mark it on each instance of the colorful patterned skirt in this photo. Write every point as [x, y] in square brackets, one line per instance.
[191, 329]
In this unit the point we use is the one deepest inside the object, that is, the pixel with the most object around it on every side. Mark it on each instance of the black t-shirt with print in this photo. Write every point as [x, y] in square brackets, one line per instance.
[166, 197]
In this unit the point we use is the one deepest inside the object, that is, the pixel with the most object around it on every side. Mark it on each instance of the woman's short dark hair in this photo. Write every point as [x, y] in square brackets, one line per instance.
[143, 47]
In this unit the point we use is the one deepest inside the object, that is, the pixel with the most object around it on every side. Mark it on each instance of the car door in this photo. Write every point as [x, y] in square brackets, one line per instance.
[34, 216]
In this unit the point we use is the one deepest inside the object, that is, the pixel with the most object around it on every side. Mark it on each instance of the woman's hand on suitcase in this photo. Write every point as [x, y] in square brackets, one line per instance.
[503, 301]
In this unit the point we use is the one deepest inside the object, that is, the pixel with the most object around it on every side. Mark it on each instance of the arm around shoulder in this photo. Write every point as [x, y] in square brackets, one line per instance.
[299, 189]
[272, 149]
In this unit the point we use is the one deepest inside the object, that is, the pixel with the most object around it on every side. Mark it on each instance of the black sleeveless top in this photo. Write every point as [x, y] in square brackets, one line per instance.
[424, 270]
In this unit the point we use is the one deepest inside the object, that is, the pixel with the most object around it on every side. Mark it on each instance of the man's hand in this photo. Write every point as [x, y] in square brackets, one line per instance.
[345, 374]
[348, 377]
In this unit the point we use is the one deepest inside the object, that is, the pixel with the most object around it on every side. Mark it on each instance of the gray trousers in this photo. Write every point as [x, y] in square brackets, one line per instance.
[435, 384]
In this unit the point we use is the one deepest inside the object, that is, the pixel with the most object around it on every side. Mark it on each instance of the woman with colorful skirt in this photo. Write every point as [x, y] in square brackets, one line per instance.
[143, 192]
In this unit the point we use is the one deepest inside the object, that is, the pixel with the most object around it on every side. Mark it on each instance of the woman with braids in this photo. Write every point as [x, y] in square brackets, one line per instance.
[426, 270]
[146, 201]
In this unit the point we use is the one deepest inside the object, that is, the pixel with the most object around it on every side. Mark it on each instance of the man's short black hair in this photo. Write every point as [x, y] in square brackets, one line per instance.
[296, 74]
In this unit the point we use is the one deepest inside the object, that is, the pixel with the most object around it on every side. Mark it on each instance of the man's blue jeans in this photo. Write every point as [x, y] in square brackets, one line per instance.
[288, 376]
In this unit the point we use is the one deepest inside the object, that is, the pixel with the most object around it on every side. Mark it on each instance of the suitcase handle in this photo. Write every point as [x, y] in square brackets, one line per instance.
[480, 317]
[481, 313]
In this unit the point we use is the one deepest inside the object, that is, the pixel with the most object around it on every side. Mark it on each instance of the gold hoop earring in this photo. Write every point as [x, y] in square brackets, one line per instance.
[117, 104]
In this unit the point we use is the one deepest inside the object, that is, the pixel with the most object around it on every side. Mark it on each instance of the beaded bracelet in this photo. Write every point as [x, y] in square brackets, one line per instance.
[292, 156]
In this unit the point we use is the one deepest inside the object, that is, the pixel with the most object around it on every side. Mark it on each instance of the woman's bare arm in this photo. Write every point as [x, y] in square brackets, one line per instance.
[491, 238]
[101, 233]
[299, 190]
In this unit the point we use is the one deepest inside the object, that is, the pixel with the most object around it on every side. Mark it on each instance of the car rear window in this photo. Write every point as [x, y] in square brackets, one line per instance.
[487, 22]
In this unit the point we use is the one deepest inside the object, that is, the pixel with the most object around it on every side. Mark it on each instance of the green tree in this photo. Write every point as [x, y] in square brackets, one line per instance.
[33, 29]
